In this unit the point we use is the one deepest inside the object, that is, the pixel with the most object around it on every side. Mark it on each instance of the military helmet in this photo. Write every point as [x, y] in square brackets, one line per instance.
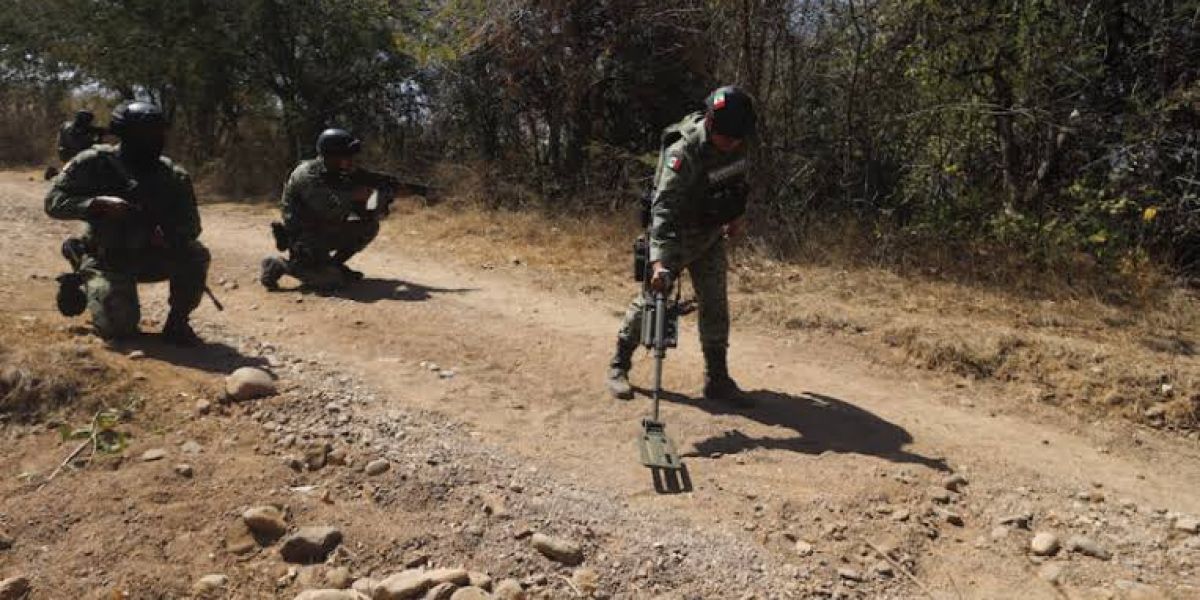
[84, 117]
[141, 115]
[337, 142]
[732, 111]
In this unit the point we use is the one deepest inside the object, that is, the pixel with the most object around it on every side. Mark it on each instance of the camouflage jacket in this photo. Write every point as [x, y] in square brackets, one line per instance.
[72, 140]
[697, 189]
[316, 197]
[163, 200]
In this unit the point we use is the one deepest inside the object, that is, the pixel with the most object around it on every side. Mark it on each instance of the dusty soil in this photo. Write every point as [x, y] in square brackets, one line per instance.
[841, 454]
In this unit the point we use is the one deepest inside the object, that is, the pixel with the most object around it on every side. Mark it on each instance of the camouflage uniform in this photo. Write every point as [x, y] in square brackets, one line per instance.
[698, 190]
[155, 241]
[326, 221]
[73, 139]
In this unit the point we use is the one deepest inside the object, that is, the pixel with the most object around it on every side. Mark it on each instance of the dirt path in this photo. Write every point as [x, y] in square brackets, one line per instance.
[835, 452]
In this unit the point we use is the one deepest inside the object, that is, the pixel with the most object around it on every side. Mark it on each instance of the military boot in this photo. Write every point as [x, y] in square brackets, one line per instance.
[350, 275]
[71, 299]
[718, 385]
[273, 268]
[177, 331]
[618, 371]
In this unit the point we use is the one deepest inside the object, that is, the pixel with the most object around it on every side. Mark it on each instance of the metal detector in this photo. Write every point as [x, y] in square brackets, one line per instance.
[660, 330]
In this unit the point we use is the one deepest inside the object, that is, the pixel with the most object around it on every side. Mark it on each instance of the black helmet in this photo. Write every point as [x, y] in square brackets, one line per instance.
[141, 115]
[337, 142]
[732, 112]
[84, 117]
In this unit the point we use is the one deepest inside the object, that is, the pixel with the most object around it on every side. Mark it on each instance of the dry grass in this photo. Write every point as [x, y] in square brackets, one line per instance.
[1135, 360]
[44, 374]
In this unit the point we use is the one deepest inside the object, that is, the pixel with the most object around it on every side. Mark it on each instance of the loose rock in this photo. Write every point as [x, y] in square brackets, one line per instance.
[404, 586]
[441, 591]
[471, 593]
[339, 578]
[266, 522]
[587, 580]
[480, 580]
[378, 467]
[1044, 544]
[954, 483]
[1051, 572]
[558, 549]
[154, 454]
[331, 595]
[1087, 547]
[950, 516]
[239, 540]
[459, 577]
[14, 588]
[509, 589]
[136, 355]
[803, 548]
[203, 407]
[1187, 524]
[6, 541]
[248, 383]
[310, 544]
[184, 470]
[849, 574]
[191, 447]
[210, 584]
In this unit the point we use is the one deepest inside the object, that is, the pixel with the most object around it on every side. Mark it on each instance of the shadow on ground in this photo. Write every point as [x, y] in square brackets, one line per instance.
[210, 357]
[822, 424]
[372, 290]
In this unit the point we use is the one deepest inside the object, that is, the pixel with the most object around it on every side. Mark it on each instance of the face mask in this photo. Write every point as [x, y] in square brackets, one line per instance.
[143, 147]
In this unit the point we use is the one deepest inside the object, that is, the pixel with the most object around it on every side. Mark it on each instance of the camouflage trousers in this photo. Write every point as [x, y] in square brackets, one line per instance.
[316, 256]
[704, 259]
[111, 289]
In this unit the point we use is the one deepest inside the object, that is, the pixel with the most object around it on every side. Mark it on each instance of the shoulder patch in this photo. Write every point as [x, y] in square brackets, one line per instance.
[675, 163]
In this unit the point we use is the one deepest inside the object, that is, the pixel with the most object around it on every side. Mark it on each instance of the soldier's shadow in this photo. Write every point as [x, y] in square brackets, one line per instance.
[821, 424]
[371, 290]
[210, 357]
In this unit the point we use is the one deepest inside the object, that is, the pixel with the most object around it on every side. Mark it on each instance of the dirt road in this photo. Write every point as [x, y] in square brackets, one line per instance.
[836, 451]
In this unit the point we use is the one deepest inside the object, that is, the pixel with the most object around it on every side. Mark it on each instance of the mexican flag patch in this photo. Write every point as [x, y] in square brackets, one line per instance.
[719, 101]
[675, 163]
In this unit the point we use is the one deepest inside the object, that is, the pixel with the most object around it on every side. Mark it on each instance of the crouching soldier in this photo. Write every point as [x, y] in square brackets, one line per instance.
[142, 226]
[327, 216]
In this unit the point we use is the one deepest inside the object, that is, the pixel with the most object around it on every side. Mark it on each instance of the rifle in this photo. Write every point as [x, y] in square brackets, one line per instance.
[387, 186]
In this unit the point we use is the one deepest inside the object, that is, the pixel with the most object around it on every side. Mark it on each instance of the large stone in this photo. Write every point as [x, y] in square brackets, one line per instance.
[459, 577]
[471, 593]
[310, 544]
[558, 549]
[405, 585]
[6, 541]
[1044, 544]
[248, 383]
[265, 522]
[331, 595]
[14, 588]
[509, 589]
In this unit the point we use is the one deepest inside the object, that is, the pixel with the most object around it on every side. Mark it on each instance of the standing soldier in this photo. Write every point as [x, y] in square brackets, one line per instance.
[698, 202]
[142, 226]
[326, 217]
[78, 135]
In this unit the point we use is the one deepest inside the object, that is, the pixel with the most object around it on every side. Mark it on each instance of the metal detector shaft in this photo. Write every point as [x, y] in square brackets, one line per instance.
[660, 346]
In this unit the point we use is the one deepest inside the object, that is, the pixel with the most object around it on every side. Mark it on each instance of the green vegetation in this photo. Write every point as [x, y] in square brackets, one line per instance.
[985, 139]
